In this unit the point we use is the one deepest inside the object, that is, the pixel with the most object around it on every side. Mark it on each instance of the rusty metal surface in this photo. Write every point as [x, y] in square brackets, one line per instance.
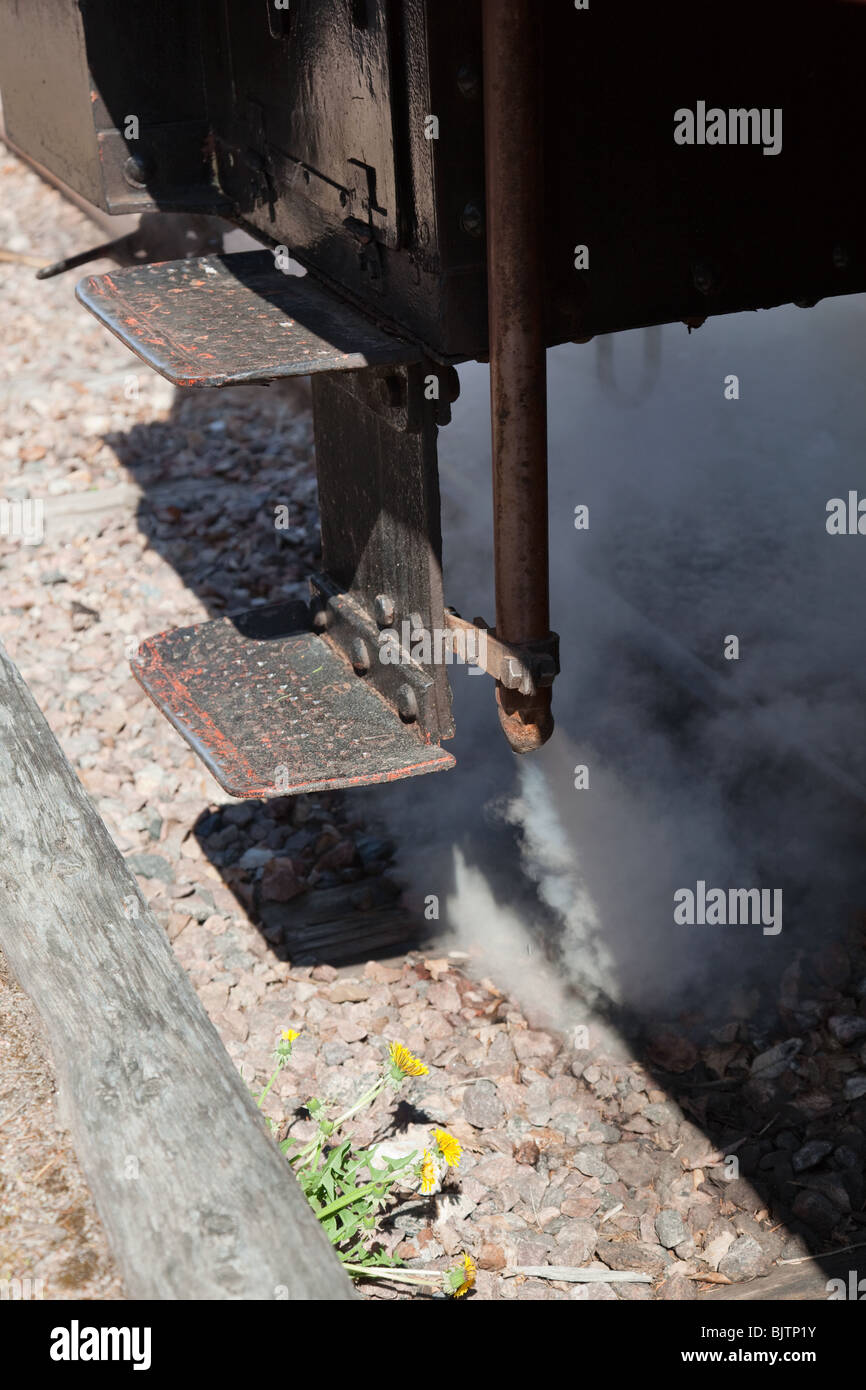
[220, 320]
[518, 373]
[272, 709]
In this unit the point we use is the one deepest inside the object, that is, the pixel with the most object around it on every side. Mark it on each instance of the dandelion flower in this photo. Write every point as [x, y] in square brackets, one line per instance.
[283, 1049]
[429, 1173]
[404, 1063]
[459, 1281]
[449, 1147]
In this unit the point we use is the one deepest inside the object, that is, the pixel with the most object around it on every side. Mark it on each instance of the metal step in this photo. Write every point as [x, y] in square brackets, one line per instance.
[222, 320]
[272, 709]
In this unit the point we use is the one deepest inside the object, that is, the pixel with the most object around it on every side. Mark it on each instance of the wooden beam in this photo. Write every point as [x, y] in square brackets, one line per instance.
[196, 1200]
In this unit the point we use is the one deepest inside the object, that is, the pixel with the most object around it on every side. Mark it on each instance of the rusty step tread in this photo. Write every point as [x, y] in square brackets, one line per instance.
[272, 709]
[224, 320]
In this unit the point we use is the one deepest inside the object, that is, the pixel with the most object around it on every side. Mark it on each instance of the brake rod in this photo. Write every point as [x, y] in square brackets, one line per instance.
[518, 369]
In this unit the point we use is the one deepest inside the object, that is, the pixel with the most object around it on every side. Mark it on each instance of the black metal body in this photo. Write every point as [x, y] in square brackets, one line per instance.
[309, 125]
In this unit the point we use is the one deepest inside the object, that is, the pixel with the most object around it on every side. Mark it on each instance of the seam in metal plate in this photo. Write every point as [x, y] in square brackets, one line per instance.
[272, 709]
[222, 320]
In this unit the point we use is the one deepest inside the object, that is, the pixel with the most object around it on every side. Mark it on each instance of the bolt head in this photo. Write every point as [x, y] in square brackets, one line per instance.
[407, 703]
[472, 220]
[468, 82]
[512, 673]
[137, 170]
[359, 654]
[384, 609]
[704, 277]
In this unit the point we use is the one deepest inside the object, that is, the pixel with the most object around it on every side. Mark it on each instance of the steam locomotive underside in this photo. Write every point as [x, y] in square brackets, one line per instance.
[482, 179]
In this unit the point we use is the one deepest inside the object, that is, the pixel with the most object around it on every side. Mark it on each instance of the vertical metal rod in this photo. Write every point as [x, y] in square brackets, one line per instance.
[518, 373]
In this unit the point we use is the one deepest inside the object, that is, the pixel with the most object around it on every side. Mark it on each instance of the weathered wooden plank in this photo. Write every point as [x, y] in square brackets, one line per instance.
[353, 940]
[196, 1200]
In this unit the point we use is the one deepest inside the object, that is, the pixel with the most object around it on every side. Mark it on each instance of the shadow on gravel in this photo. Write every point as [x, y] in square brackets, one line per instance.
[314, 873]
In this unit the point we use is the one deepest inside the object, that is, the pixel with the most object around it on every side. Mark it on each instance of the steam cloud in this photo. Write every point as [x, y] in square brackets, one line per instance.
[707, 518]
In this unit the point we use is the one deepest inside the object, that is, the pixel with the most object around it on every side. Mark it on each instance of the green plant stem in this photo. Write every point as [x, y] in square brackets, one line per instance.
[311, 1155]
[401, 1276]
[261, 1100]
[367, 1098]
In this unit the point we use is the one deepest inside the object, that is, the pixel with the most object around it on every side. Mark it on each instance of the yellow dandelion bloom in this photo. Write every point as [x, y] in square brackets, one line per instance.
[404, 1061]
[429, 1174]
[449, 1147]
[468, 1281]
[289, 1035]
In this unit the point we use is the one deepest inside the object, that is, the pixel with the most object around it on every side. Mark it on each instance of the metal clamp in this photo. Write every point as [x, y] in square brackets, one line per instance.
[526, 668]
[346, 623]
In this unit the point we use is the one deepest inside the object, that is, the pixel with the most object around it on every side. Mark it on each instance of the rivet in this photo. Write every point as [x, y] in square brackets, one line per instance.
[407, 703]
[704, 277]
[384, 609]
[472, 220]
[137, 171]
[468, 82]
[360, 656]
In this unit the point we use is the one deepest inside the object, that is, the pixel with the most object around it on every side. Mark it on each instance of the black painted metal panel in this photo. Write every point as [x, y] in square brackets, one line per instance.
[314, 125]
[379, 502]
